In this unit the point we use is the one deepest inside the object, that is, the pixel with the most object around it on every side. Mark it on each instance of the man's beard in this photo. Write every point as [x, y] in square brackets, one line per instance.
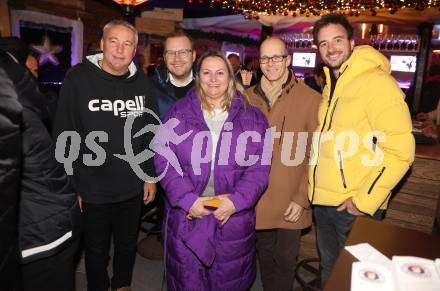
[181, 75]
[339, 64]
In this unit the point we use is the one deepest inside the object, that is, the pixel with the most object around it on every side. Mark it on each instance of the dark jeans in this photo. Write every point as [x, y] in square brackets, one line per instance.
[277, 251]
[332, 229]
[53, 273]
[101, 223]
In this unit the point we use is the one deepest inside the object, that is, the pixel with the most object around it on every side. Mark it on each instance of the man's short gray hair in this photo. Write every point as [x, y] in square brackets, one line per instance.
[121, 23]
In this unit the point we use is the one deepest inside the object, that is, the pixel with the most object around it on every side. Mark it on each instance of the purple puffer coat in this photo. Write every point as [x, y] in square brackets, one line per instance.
[200, 254]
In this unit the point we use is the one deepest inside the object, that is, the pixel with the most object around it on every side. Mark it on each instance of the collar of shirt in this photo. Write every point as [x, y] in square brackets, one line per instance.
[173, 81]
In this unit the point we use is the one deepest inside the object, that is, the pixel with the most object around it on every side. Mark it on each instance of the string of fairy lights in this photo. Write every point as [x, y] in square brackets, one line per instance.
[251, 8]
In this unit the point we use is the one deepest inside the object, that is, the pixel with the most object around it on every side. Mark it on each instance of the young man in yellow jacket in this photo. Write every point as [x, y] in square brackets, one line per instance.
[363, 145]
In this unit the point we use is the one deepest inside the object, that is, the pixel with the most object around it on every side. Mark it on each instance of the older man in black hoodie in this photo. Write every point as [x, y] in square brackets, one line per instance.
[96, 98]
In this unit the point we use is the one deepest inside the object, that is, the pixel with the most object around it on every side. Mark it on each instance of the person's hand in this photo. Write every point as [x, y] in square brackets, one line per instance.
[150, 190]
[80, 203]
[198, 210]
[246, 77]
[350, 207]
[430, 130]
[293, 212]
[226, 209]
[422, 116]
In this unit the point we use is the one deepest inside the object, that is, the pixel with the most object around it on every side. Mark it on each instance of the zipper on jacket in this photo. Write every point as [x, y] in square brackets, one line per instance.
[318, 151]
[331, 115]
[341, 170]
[332, 91]
[333, 81]
[374, 141]
[375, 180]
[282, 130]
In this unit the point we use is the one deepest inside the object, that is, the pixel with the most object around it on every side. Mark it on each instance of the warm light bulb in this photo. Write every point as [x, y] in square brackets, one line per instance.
[130, 2]
[363, 27]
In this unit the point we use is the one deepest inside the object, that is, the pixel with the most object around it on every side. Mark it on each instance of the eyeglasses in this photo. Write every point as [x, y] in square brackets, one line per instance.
[275, 59]
[180, 53]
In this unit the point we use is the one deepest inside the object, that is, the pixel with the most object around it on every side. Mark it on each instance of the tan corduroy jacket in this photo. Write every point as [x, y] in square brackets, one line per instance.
[293, 112]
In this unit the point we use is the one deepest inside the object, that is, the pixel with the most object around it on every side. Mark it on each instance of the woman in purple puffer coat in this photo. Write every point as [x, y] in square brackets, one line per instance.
[212, 143]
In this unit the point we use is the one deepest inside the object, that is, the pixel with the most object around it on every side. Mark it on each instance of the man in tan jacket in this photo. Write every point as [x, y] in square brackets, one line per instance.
[283, 210]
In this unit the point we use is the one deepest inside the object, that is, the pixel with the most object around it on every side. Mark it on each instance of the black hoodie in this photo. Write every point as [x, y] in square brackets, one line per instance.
[93, 100]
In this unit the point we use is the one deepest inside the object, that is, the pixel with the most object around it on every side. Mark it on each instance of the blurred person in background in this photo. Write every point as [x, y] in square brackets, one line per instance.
[317, 80]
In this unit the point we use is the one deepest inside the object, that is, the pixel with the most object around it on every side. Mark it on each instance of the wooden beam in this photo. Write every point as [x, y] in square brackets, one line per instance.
[425, 32]
[164, 13]
[154, 26]
[5, 25]
[76, 4]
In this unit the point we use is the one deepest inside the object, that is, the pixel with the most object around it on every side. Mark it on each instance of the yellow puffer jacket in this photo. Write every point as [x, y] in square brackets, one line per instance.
[363, 145]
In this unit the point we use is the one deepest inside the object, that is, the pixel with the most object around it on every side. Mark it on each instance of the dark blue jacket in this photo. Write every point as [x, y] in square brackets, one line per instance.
[163, 90]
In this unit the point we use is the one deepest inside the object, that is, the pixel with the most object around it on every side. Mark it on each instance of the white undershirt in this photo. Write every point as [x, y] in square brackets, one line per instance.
[215, 120]
[181, 83]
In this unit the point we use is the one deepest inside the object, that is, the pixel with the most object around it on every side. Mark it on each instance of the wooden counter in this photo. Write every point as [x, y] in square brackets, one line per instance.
[392, 241]
[431, 152]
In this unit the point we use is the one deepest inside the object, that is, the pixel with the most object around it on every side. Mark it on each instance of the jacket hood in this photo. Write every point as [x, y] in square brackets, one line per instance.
[365, 58]
[97, 57]
[25, 86]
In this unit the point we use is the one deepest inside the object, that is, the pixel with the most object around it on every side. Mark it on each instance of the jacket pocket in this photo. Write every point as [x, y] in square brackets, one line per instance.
[375, 180]
[341, 170]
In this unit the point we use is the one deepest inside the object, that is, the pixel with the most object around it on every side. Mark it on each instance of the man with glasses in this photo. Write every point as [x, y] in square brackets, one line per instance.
[170, 82]
[283, 210]
[173, 79]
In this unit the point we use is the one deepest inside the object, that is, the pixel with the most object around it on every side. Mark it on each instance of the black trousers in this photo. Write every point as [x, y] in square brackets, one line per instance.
[102, 222]
[277, 251]
[53, 273]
